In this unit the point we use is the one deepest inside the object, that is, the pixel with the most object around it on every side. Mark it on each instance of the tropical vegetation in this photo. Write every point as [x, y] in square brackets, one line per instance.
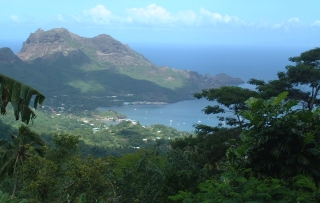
[267, 152]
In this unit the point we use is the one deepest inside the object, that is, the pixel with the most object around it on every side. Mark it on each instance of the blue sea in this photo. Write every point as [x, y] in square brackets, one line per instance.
[180, 115]
[245, 62]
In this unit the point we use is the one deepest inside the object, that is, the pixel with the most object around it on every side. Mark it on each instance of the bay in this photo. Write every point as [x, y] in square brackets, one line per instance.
[243, 62]
[180, 115]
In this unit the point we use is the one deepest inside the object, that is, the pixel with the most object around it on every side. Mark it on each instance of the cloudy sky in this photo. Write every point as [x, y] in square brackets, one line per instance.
[259, 22]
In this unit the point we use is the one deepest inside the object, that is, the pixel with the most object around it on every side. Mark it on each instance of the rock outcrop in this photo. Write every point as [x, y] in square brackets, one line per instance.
[102, 48]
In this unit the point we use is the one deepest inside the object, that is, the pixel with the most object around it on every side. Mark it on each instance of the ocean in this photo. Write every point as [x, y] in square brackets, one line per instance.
[245, 62]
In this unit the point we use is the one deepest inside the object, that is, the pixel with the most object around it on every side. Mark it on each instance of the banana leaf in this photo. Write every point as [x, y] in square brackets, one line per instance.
[19, 95]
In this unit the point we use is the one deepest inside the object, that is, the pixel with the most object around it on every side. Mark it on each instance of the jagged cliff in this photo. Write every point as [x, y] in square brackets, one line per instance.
[101, 48]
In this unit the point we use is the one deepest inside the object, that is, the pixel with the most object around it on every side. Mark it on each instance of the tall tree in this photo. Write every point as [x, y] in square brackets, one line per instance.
[16, 152]
[301, 80]
[306, 72]
[63, 174]
[141, 178]
[279, 141]
[46, 179]
[230, 99]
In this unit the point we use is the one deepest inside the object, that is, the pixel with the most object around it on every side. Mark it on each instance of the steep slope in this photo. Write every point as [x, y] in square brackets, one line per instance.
[61, 80]
[98, 71]
[7, 56]
[100, 49]
[107, 53]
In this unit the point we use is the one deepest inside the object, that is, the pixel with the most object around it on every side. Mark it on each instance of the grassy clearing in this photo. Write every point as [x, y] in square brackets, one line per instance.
[87, 86]
[165, 77]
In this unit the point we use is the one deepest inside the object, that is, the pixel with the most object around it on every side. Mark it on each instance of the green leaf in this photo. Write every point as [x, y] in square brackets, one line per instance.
[305, 182]
[251, 101]
[4, 197]
[248, 115]
[36, 101]
[82, 198]
[309, 138]
[180, 196]
[15, 98]
[280, 98]
[19, 95]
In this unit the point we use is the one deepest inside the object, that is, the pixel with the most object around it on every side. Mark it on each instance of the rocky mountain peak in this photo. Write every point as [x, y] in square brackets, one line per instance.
[102, 48]
[108, 45]
[42, 43]
[62, 63]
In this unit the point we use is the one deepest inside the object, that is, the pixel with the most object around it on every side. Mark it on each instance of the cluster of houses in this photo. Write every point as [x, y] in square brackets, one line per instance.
[97, 124]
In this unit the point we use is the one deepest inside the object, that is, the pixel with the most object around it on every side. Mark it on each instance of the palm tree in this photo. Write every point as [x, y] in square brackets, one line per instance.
[14, 153]
[21, 147]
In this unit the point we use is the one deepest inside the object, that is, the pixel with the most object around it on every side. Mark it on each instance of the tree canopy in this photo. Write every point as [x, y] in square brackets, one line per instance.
[228, 97]
[301, 80]
[279, 141]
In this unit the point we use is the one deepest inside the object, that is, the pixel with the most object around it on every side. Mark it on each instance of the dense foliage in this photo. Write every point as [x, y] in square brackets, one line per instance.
[111, 137]
[271, 155]
[301, 80]
[279, 141]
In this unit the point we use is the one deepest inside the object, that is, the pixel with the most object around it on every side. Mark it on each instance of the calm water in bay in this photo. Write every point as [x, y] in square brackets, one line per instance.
[244, 62]
[181, 115]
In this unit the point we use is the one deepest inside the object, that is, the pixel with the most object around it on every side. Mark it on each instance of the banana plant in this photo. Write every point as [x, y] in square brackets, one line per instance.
[19, 95]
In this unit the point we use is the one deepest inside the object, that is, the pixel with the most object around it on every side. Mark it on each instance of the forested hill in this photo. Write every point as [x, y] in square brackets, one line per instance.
[99, 71]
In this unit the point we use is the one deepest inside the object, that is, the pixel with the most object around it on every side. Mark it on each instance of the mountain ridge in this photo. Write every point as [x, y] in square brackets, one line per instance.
[62, 63]
[60, 39]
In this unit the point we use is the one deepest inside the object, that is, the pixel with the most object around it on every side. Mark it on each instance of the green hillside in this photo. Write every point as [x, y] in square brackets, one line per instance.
[98, 71]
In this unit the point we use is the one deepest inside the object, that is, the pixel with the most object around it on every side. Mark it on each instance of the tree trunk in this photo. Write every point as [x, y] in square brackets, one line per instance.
[15, 185]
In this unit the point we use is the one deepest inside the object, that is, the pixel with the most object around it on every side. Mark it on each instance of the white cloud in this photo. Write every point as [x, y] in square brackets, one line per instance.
[154, 15]
[294, 20]
[188, 17]
[295, 23]
[316, 23]
[217, 17]
[15, 19]
[261, 24]
[151, 14]
[60, 18]
[291, 23]
[277, 25]
[99, 14]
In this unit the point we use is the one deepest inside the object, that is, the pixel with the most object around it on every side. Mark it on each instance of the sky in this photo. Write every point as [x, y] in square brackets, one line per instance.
[210, 22]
